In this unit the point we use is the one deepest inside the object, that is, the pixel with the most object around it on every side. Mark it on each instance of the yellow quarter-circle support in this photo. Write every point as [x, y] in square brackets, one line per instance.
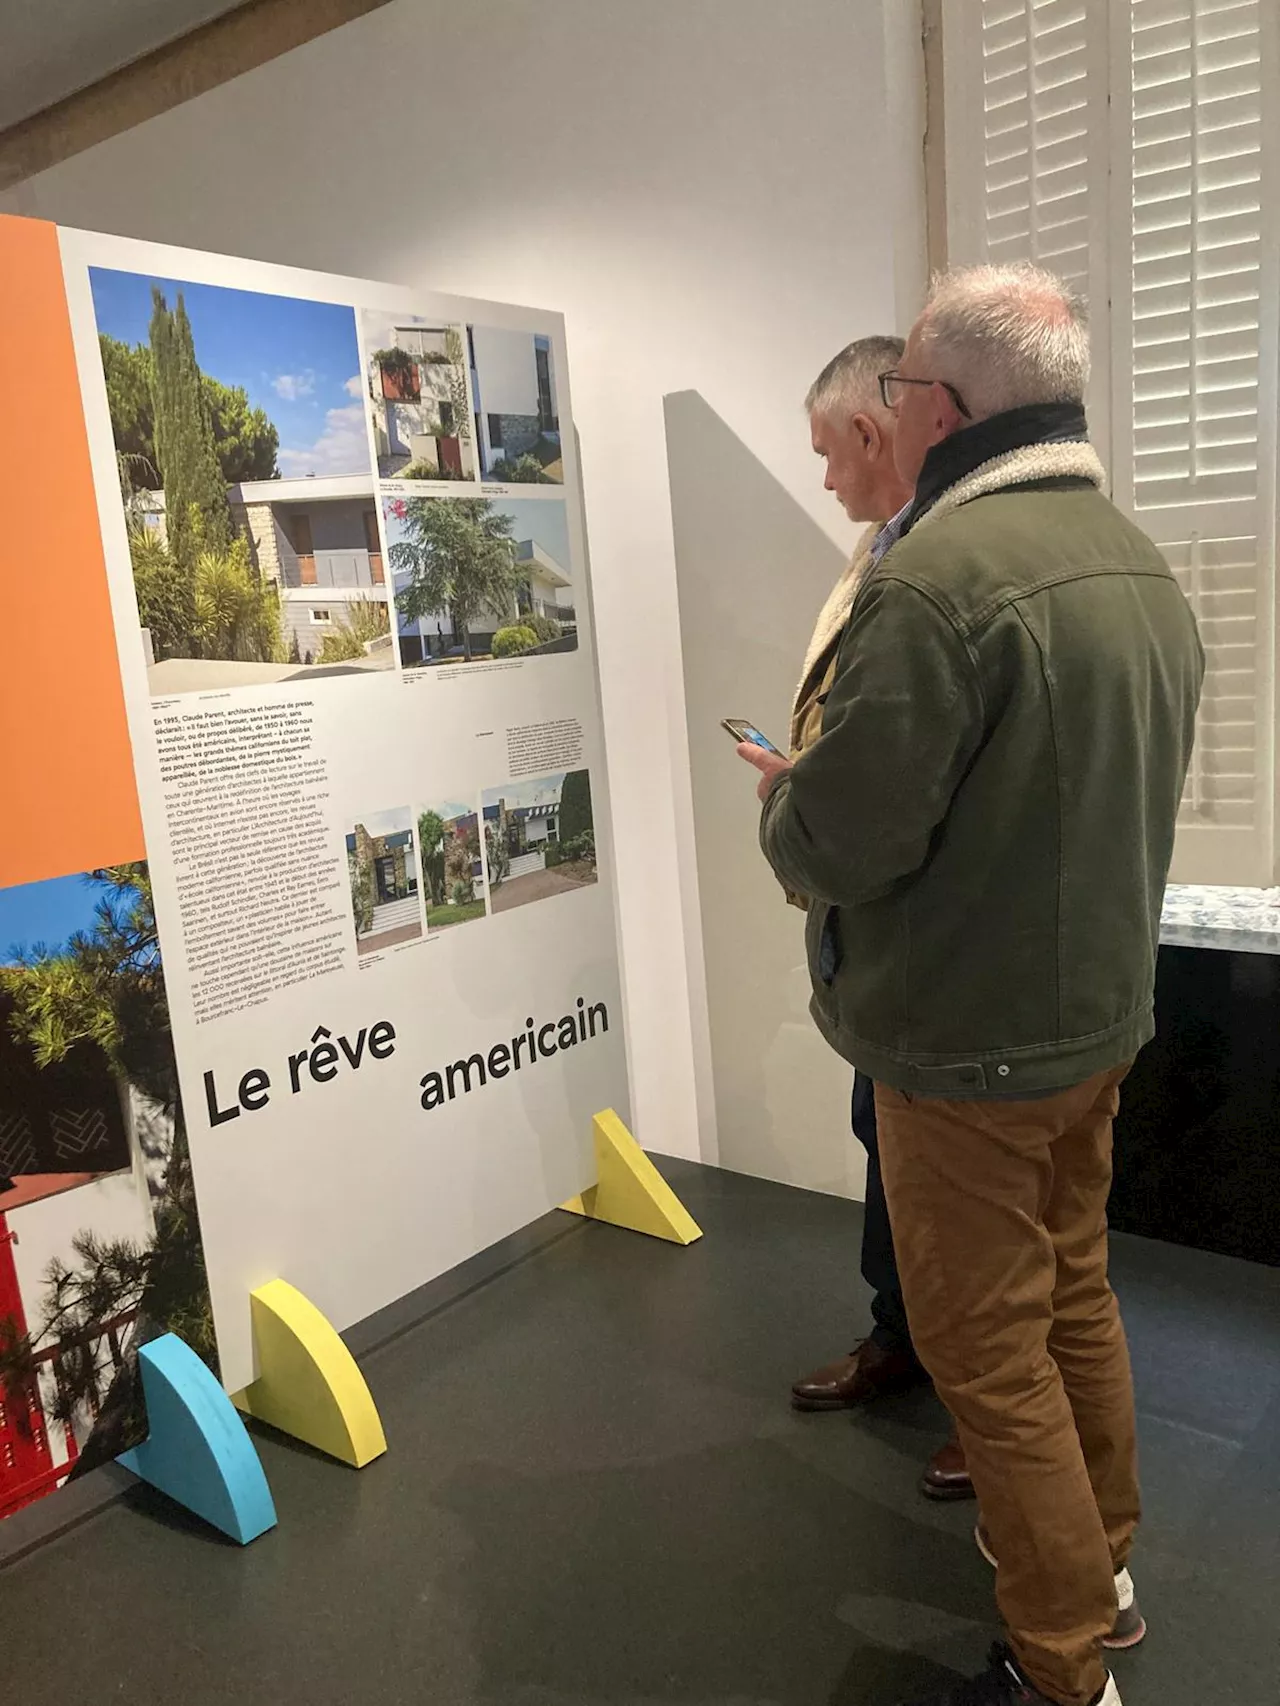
[309, 1385]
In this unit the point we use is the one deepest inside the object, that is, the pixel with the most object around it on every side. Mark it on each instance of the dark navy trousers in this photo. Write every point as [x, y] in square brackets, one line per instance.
[879, 1263]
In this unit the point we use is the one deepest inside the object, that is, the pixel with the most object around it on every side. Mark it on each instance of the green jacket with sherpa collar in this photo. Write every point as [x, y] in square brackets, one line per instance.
[987, 818]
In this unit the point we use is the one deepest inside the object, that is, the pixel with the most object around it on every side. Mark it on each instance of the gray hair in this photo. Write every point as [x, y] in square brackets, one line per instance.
[849, 381]
[1005, 336]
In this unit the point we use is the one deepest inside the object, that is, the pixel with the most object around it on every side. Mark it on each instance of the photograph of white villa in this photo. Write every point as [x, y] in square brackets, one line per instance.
[416, 381]
[383, 871]
[479, 578]
[452, 867]
[315, 543]
[247, 483]
[539, 839]
[517, 416]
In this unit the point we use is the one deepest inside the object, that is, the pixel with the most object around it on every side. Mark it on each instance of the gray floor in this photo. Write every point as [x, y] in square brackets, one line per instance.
[596, 1492]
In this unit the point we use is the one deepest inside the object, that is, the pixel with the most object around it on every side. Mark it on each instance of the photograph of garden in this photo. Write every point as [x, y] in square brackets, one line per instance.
[383, 872]
[479, 578]
[539, 839]
[517, 413]
[100, 1245]
[416, 384]
[246, 477]
[452, 868]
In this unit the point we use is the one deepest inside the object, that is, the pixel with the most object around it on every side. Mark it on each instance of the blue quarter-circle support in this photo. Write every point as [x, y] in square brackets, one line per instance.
[198, 1451]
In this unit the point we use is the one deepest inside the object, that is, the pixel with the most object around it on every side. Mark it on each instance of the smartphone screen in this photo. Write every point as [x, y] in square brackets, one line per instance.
[741, 730]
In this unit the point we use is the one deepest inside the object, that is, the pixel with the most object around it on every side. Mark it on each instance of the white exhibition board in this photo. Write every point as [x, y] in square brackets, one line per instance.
[316, 979]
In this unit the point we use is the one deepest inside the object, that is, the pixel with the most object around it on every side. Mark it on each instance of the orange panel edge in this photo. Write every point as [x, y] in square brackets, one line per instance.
[70, 800]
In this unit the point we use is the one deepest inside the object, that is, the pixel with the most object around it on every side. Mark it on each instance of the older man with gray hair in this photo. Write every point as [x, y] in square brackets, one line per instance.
[852, 429]
[985, 826]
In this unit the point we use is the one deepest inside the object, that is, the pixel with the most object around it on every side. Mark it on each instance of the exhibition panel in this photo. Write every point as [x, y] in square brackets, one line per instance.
[308, 961]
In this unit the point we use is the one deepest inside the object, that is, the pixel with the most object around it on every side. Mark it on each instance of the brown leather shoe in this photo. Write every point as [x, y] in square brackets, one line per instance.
[867, 1372]
[946, 1474]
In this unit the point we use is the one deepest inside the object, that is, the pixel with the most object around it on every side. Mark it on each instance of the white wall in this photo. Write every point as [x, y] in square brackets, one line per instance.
[753, 567]
[716, 193]
[506, 367]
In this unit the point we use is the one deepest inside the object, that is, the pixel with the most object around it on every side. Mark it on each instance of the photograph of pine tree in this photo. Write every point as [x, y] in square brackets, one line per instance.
[100, 1245]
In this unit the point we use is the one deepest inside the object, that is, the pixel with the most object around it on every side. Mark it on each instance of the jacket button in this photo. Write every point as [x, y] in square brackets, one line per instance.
[1003, 1071]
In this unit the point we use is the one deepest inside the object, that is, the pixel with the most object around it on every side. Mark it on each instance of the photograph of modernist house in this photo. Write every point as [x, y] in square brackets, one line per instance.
[539, 839]
[247, 483]
[513, 384]
[480, 578]
[99, 1238]
[416, 380]
[452, 868]
[317, 541]
[383, 870]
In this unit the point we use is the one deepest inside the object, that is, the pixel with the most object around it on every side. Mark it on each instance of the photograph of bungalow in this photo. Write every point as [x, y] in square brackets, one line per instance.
[416, 380]
[247, 481]
[539, 839]
[517, 416]
[479, 578]
[383, 870]
[452, 867]
[99, 1238]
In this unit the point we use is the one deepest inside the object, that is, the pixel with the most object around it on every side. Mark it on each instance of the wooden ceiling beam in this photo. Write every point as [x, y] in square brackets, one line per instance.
[226, 47]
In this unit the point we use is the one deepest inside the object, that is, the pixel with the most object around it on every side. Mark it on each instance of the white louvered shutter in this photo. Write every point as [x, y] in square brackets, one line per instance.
[1027, 135]
[1194, 446]
[1128, 145]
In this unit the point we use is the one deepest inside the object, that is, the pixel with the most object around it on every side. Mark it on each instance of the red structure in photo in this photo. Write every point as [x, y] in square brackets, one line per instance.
[27, 1470]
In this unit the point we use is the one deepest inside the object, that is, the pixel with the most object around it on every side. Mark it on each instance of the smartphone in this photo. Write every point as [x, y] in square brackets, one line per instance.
[741, 730]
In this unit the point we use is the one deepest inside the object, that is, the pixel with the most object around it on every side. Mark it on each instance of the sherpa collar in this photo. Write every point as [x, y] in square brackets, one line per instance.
[835, 612]
[999, 449]
[1027, 466]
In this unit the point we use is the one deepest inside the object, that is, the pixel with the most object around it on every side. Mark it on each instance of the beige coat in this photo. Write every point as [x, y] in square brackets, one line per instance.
[819, 660]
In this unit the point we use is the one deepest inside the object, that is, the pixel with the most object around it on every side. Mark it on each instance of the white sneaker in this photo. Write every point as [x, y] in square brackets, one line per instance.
[1130, 1626]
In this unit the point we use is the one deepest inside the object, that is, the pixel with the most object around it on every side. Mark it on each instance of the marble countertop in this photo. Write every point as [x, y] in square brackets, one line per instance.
[1202, 915]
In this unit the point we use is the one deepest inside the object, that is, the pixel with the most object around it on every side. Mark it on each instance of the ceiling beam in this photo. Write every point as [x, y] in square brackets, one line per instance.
[240, 40]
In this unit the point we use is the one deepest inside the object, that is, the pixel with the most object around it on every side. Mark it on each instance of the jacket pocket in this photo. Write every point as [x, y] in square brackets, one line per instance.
[823, 944]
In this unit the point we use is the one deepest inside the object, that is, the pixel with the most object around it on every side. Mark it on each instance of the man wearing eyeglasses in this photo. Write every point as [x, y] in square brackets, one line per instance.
[985, 826]
[852, 430]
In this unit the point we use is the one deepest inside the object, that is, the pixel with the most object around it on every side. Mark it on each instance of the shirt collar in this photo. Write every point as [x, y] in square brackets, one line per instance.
[889, 534]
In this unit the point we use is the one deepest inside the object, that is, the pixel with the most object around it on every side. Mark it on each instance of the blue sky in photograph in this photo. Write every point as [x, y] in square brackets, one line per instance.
[383, 823]
[297, 360]
[47, 913]
[543, 521]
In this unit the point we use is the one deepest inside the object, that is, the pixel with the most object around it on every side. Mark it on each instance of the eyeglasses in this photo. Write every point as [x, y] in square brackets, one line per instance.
[891, 396]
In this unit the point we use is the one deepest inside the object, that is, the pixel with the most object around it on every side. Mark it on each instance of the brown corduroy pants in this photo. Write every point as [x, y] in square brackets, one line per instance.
[999, 1221]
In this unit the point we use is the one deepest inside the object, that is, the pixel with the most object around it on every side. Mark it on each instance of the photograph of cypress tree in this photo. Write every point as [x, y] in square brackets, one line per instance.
[100, 1245]
[246, 478]
[480, 578]
[539, 839]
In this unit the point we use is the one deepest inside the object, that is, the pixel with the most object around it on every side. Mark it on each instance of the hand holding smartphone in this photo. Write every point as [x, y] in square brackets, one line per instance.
[759, 751]
[741, 730]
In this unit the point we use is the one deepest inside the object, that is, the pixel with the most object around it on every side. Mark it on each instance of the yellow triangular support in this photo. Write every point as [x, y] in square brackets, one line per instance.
[629, 1190]
[309, 1385]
